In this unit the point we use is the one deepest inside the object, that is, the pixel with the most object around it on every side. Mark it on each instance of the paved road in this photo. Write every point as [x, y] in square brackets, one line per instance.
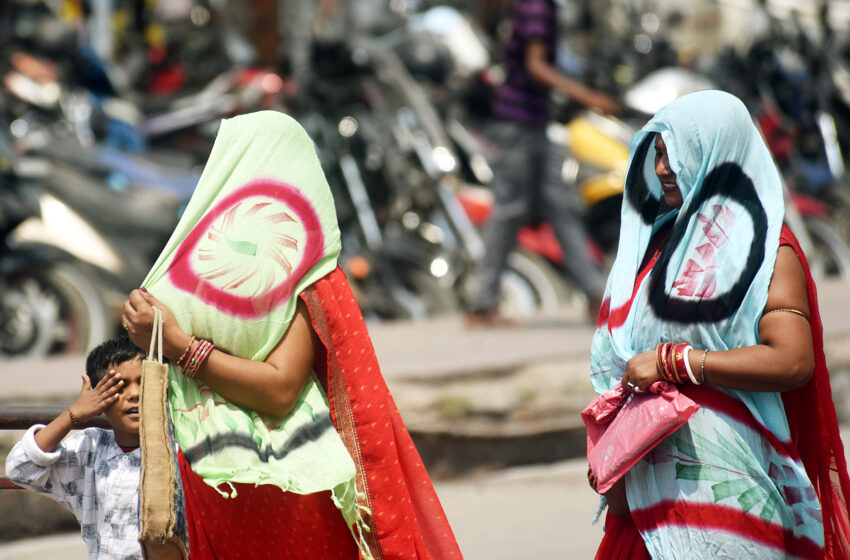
[540, 512]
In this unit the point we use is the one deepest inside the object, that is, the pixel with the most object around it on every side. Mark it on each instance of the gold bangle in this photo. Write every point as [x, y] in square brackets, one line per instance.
[702, 366]
[659, 368]
[74, 421]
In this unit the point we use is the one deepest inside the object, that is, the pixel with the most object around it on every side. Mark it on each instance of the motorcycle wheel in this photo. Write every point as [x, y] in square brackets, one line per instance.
[51, 310]
[602, 221]
[435, 298]
[838, 199]
[830, 253]
[530, 285]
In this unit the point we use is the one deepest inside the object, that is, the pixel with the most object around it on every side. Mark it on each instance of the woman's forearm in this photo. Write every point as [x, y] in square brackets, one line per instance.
[269, 387]
[253, 385]
[547, 75]
[755, 368]
[784, 358]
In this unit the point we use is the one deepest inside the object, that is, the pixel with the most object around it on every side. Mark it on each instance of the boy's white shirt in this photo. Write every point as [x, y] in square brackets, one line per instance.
[90, 474]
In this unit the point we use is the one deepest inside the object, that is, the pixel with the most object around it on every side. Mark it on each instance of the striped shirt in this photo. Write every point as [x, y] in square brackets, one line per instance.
[90, 475]
[520, 97]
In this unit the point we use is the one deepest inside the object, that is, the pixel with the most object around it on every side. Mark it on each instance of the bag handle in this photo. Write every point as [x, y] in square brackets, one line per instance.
[156, 334]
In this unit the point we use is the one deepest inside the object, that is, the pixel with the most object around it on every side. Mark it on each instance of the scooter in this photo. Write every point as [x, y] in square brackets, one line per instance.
[51, 299]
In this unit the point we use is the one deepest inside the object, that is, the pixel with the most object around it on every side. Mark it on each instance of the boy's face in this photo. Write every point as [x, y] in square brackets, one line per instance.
[123, 414]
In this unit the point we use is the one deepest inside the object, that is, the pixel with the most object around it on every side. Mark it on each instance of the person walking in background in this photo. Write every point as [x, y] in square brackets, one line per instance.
[711, 291]
[528, 167]
[95, 472]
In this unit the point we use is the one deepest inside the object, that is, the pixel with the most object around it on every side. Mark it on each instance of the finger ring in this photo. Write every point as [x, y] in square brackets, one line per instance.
[631, 386]
[126, 325]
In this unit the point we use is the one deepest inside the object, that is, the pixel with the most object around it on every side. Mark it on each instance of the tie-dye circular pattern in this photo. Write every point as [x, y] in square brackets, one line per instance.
[248, 252]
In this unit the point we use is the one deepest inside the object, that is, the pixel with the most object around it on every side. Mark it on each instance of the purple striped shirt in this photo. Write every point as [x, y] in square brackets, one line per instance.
[520, 97]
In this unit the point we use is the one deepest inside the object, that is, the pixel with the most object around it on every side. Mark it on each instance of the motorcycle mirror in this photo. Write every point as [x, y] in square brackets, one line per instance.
[31, 167]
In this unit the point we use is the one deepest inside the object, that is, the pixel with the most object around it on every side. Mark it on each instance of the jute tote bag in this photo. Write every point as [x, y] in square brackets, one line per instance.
[161, 531]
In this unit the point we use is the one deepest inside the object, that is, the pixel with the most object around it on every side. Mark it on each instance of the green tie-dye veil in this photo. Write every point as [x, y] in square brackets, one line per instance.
[259, 229]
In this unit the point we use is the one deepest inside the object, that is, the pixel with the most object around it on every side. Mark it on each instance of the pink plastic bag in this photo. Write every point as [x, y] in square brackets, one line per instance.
[622, 427]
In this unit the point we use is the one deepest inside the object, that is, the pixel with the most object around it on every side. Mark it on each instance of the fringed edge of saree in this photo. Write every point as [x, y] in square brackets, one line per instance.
[399, 503]
[363, 527]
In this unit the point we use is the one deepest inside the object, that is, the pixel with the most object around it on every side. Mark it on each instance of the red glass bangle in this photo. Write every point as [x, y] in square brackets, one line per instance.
[187, 363]
[680, 373]
[197, 358]
[185, 353]
[678, 360]
[189, 370]
[193, 357]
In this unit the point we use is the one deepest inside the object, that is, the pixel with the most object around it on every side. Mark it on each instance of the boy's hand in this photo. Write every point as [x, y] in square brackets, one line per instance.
[92, 402]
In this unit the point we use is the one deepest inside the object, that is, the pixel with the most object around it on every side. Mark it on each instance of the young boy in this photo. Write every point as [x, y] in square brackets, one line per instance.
[94, 472]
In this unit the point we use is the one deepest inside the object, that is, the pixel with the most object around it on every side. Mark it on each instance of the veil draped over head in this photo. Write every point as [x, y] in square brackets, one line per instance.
[259, 233]
[709, 288]
[260, 227]
[709, 285]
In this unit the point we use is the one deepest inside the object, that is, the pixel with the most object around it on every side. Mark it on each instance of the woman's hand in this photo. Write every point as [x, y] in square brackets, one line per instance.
[138, 321]
[618, 504]
[269, 387]
[641, 372]
[91, 402]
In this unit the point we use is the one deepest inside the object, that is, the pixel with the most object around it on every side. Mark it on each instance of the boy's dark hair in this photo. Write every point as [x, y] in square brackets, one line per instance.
[112, 352]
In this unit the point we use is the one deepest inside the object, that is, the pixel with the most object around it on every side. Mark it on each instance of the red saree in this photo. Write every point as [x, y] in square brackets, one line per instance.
[407, 519]
[814, 429]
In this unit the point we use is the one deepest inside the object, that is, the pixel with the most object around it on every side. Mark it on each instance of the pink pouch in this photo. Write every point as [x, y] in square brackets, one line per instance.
[622, 427]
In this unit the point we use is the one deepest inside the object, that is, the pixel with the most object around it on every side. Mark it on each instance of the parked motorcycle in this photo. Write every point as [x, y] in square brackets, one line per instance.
[50, 300]
[398, 153]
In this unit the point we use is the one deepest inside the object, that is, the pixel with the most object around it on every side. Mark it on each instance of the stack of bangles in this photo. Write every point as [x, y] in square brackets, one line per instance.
[194, 355]
[671, 361]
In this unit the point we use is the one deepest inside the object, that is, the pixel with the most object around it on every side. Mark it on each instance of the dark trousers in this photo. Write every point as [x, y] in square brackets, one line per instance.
[527, 179]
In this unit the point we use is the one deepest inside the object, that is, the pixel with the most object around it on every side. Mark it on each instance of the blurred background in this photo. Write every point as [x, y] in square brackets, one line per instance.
[109, 109]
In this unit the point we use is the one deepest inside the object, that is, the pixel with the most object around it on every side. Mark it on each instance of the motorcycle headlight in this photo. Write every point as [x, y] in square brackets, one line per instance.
[444, 159]
[439, 267]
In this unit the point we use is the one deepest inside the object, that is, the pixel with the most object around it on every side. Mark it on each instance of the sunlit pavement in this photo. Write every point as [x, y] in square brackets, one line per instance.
[541, 511]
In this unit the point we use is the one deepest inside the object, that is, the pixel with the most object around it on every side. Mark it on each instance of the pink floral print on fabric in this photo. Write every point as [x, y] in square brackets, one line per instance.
[699, 277]
[245, 256]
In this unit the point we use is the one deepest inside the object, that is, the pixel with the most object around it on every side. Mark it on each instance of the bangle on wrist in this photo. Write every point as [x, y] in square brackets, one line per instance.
[665, 363]
[197, 357]
[702, 366]
[661, 352]
[74, 421]
[192, 352]
[688, 369]
[675, 357]
[673, 365]
[185, 353]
